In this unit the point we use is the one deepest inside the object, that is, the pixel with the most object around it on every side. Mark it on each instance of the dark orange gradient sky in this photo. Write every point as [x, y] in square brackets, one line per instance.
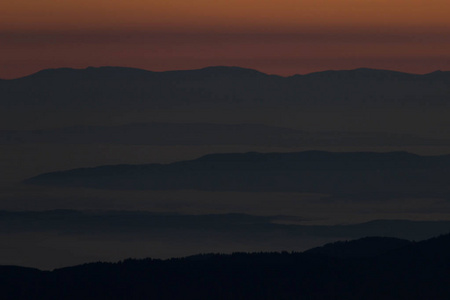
[282, 37]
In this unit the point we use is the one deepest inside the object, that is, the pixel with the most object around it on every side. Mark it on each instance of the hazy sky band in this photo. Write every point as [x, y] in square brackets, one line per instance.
[282, 37]
[194, 14]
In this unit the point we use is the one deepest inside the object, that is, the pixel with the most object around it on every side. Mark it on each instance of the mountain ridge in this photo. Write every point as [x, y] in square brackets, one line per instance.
[116, 70]
[114, 87]
[215, 69]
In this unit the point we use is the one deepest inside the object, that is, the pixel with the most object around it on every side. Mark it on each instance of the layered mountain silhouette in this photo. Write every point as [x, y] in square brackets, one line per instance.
[392, 173]
[225, 106]
[400, 270]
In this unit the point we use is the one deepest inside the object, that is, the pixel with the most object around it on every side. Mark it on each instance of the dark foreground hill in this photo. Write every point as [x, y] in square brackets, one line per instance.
[394, 173]
[409, 270]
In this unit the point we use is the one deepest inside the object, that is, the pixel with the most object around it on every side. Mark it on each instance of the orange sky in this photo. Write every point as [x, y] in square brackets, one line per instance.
[282, 37]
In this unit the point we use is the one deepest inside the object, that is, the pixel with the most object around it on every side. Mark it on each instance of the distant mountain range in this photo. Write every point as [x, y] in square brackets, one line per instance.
[372, 268]
[385, 174]
[378, 99]
[211, 134]
[123, 87]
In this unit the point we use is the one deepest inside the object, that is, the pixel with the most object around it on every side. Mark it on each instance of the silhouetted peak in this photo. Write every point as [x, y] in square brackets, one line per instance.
[89, 73]
[230, 70]
[438, 74]
[214, 72]
[48, 73]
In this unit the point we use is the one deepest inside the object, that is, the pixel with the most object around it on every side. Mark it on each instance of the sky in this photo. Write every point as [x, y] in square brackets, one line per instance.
[282, 37]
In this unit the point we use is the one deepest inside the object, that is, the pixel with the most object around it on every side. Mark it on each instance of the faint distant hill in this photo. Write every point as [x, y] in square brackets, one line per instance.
[238, 226]
[211, 134]
[108, 95]
[409, 271]
[370, 173]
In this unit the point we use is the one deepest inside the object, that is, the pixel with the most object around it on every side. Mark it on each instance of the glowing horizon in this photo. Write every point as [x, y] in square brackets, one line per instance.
[285, 37]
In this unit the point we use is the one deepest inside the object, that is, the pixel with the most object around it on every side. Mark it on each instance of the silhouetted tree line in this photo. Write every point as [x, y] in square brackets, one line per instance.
[412, 270]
